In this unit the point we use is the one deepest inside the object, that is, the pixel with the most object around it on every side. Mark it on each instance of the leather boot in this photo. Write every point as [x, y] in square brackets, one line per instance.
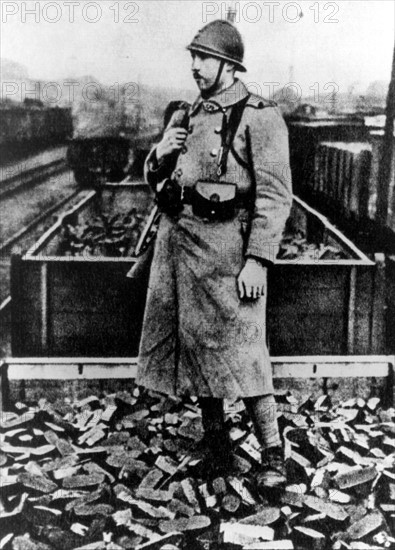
[272, 472]
[218, 449]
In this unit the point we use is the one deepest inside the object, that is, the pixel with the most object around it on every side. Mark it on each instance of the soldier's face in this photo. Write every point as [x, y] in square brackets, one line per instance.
[204, 70]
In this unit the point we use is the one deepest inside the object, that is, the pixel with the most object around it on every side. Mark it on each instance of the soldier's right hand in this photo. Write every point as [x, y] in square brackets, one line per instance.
[173, 140]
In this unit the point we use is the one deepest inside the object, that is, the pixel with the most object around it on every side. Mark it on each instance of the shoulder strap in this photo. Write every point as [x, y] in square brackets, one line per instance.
[251, 169]
[228, 132]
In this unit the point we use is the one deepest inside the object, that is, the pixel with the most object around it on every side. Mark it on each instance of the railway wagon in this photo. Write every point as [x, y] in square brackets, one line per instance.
[346, 182]
[22, 126]
[85, 306]
[342, 180]
[98, 159]
[345, 185]
[305, 137]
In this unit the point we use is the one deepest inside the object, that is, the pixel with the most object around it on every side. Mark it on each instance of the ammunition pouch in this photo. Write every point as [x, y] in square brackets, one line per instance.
[214, 200]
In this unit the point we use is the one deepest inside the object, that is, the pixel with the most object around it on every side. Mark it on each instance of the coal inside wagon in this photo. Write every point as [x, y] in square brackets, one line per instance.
[83, 304]
[323, 299]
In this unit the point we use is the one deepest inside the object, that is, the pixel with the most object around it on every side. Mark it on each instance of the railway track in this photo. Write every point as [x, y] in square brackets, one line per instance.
[24, 179]
[13, 241]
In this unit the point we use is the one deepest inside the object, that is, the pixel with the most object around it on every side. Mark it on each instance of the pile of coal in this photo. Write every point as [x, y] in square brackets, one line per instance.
[117, 236]
[128, 471]
[108, 236]
[295, 245]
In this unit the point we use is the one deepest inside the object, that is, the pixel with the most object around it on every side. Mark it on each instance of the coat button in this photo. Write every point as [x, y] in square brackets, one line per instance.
[218, 129]
[214, 152]
[190, 129]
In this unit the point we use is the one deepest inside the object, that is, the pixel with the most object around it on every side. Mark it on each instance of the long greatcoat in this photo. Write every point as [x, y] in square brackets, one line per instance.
[198, 337]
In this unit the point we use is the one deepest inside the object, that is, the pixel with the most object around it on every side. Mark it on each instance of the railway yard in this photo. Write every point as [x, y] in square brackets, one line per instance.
[89, 458]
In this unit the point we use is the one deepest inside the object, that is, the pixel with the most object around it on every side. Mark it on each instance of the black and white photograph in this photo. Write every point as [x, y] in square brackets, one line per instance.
[197, 275]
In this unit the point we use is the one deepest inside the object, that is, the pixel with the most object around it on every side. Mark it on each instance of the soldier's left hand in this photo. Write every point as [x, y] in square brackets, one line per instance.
[252, 280]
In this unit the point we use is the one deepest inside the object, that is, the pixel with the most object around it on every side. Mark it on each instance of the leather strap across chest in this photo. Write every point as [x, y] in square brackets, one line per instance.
[228, 132]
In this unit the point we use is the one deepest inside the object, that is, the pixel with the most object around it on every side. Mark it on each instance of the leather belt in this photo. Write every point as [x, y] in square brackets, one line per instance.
[187, 197]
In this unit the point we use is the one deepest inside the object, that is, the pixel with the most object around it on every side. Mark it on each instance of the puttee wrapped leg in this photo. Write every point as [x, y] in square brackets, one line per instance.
[263, 413]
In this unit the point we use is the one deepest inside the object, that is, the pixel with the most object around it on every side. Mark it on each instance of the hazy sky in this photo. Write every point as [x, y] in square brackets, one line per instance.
[345, 41]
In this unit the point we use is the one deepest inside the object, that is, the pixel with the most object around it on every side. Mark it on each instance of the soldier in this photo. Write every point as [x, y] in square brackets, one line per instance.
[204, 324]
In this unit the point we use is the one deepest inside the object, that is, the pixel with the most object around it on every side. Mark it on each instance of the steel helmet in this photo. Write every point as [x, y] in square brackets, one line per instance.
[220, 39]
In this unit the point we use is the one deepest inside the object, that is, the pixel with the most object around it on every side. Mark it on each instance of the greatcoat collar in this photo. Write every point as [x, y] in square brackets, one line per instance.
[224, 99]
